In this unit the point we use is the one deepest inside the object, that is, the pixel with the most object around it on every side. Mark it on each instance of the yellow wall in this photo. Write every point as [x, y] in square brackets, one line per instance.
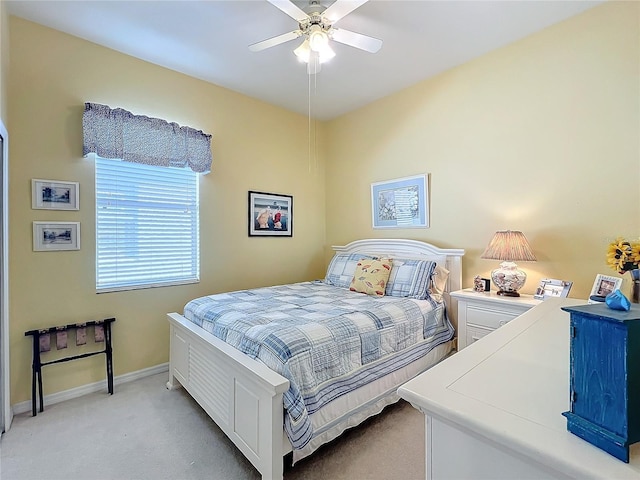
[541, 136]
[256, 146]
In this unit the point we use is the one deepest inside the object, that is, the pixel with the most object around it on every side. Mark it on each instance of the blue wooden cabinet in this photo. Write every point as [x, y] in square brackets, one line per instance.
[605, 377]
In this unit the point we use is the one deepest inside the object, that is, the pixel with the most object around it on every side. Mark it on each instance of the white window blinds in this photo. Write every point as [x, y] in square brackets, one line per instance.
[147, 228]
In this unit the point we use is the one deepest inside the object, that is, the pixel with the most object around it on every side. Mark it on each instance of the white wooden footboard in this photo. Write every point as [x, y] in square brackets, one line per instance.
[242, 395]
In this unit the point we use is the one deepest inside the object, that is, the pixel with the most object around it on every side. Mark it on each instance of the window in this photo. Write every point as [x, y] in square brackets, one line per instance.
[147, 228]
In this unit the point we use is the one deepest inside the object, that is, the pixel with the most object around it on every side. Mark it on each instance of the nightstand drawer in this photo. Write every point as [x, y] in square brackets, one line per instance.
[488, 318]
[476, 333]
[481, 313]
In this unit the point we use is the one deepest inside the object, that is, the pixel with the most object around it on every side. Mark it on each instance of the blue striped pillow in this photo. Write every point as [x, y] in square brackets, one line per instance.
[342, 267]
[410, 278]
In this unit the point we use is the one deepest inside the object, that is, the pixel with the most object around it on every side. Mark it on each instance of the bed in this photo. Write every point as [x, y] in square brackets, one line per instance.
[267, 412]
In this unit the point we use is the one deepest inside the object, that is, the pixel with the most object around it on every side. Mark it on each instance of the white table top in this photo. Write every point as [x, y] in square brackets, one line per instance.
[512, 387]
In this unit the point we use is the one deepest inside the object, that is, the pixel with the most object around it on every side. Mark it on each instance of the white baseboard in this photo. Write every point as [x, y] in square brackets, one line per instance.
[58, 397]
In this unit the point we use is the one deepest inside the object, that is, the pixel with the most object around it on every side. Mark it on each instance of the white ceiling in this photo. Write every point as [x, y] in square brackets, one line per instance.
[208, 40]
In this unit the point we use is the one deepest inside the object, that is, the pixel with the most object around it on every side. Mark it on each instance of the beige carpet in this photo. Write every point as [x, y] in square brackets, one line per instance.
[145, 431]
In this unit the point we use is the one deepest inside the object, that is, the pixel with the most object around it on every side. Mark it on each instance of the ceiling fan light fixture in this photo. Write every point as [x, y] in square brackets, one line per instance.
[316, 28]
[318, 38]
[303, 52]
[326, 54]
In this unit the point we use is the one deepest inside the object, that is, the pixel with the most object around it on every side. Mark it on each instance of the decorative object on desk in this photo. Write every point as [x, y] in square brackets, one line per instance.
[481, 284]
[603, 286]
[401, 203]
[550, 287]
[617, 301]
[56, 236]
[604, 377]
[624, 256]
[510, 247]
[270, 215]
[54, 195]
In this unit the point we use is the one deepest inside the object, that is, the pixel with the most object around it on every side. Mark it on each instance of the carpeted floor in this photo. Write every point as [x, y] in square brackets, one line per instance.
[145, 431]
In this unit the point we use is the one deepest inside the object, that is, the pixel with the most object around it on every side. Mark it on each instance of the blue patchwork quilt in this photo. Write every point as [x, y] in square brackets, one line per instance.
[321, 338]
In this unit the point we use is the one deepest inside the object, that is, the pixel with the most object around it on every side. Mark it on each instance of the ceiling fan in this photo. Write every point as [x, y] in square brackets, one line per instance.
[317, 28]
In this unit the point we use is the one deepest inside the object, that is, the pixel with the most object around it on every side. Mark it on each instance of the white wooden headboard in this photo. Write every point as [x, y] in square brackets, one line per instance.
[398, 247]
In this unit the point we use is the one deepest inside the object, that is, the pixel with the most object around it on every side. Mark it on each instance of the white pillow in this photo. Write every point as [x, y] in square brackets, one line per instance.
[438, 282]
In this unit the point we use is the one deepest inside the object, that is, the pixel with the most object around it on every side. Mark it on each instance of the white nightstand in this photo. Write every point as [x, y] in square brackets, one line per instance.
[481, 313]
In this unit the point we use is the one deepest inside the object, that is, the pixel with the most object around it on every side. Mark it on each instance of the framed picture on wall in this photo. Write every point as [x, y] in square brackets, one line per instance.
[56, 236]
[54, 195]
[401, 203]
[270, 215]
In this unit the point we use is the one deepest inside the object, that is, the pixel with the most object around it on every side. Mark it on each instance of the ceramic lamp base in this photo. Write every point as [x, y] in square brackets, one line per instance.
[509, 279]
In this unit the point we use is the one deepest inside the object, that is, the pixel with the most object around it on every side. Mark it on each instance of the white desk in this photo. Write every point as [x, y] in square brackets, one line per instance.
[493, 410]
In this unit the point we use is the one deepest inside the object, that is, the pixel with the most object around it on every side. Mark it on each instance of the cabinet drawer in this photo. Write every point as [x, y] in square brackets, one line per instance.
[489, 318]
[476, 333]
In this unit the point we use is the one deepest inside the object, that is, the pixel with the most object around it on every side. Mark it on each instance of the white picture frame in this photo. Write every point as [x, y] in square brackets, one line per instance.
[56, 236]
[602, 286]
[550, 288]
[401, 203]
[54, 195]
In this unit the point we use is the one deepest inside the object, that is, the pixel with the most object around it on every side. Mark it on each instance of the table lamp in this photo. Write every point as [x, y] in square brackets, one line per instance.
[509, 246]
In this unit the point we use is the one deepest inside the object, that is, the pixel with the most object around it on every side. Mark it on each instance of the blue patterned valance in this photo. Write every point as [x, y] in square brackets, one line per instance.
[116, 133]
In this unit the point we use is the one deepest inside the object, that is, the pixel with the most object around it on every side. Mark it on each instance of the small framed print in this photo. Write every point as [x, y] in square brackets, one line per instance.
[603, 286]
[481, 284]
[550, 287]
[55, 236]
[54, 195]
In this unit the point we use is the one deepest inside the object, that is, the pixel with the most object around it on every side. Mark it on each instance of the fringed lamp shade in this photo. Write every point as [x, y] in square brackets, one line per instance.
[509, 246]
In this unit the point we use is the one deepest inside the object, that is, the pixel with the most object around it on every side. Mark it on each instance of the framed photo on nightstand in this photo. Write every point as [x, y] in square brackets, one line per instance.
[481, 284]
[603, 286]
[550, 287]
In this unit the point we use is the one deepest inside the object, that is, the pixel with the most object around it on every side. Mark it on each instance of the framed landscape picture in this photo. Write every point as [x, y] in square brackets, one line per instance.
[55, 236]
[270, 215]
[400, 203]
[54, 195]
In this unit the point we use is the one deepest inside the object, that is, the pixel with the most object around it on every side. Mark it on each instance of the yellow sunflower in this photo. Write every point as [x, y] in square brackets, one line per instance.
[635, 253]
[623, 255]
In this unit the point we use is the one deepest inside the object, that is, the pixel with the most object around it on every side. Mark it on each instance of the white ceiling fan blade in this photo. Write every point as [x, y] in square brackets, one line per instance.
[341, 8]
[290, 9]
[272, 42]
[357, 40]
